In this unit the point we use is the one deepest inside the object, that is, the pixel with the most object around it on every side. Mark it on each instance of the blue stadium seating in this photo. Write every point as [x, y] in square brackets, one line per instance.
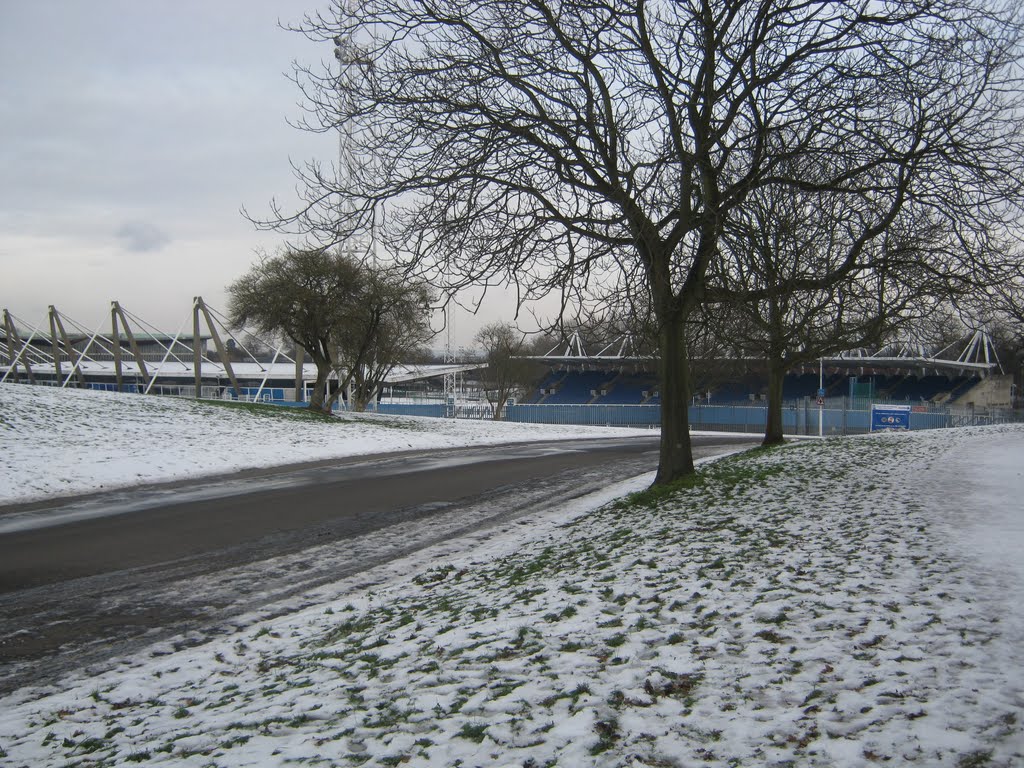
[630, 389]
[549, 382]
[578, 386]
[633, 388]
[919, 389]
[799, 386]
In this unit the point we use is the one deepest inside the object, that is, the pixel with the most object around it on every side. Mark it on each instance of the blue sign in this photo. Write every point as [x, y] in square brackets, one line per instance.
[821, 392]
[889, 417]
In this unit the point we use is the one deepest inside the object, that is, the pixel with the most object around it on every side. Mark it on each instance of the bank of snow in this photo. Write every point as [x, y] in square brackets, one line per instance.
[844, 603]
[65, 441]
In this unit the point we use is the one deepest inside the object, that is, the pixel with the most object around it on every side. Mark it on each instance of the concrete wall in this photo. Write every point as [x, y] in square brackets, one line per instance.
[991, 392]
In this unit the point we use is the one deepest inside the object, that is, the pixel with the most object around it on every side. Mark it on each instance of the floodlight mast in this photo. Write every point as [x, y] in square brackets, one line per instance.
[350, 165]
[450, 388]
[821, 396]
[350, 55]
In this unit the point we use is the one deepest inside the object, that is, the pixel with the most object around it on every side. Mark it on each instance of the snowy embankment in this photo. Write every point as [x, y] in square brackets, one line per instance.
[843, 603]
[66, 441]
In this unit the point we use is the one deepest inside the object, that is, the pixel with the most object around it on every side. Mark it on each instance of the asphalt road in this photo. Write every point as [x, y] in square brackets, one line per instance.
[87, 579]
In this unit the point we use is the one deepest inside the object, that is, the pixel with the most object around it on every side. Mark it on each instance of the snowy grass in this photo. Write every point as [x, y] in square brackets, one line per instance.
[844, 603]
[61, 442]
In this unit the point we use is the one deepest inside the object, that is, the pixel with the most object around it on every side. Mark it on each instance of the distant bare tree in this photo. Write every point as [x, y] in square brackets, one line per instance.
[390, 326]
[507, 372]
[1007, 298]
[788, 300]
[584, 146]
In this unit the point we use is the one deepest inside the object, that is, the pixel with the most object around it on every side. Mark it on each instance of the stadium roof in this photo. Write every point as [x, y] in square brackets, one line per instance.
[977, 357]
[93, 352]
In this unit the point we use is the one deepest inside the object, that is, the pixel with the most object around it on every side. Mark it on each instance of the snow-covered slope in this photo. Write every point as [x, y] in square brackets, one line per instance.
[840, 603]
[64, 441]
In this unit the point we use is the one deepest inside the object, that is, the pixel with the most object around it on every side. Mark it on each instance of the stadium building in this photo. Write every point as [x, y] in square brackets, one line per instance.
[612, 386]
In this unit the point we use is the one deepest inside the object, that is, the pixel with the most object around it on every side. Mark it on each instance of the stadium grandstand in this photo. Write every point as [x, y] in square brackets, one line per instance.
[893, 374]
[954, 385]
[961, 384]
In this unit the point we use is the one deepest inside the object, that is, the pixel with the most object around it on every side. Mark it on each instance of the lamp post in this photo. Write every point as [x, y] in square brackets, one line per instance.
[821, 396]
[349, 54]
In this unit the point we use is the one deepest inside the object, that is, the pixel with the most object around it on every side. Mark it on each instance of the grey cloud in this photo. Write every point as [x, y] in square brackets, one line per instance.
[142, 236]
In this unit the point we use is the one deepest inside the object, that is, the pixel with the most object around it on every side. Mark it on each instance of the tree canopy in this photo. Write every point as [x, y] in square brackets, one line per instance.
[602, 148]
[354, 321]
[508, 371]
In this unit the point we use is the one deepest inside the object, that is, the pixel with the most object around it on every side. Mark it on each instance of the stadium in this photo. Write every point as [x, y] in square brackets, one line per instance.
[959, 385]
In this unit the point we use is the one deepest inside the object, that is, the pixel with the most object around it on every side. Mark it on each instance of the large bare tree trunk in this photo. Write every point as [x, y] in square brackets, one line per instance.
[676, 454]
[316, 400]
[359, 401]
[773, 426]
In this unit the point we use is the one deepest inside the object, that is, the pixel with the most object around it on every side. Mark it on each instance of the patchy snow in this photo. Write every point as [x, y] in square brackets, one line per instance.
[850, 602]
[66, 441]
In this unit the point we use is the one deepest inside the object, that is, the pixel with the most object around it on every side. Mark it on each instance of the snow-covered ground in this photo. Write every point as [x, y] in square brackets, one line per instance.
[848, 602]
[61, 442]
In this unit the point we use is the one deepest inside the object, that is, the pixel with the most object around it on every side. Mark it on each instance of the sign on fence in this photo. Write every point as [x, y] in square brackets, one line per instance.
[889, 417]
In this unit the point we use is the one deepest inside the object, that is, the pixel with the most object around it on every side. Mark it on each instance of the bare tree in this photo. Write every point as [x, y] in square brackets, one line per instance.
[389, 326]
[507, 372]
[1006, 299]
[785, 239]
[580, 146]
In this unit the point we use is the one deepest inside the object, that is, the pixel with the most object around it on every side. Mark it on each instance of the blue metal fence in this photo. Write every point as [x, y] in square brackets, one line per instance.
[839, 416]
[591, 415]
[437, 410]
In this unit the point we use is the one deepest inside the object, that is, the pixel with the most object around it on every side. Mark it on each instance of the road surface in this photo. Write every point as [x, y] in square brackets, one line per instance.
[85, 580]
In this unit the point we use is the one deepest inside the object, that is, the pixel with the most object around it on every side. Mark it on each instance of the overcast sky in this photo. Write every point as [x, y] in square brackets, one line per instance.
[132, 135]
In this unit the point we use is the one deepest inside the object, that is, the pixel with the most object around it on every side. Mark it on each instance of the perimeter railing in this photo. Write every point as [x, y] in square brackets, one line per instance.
[838, 416]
